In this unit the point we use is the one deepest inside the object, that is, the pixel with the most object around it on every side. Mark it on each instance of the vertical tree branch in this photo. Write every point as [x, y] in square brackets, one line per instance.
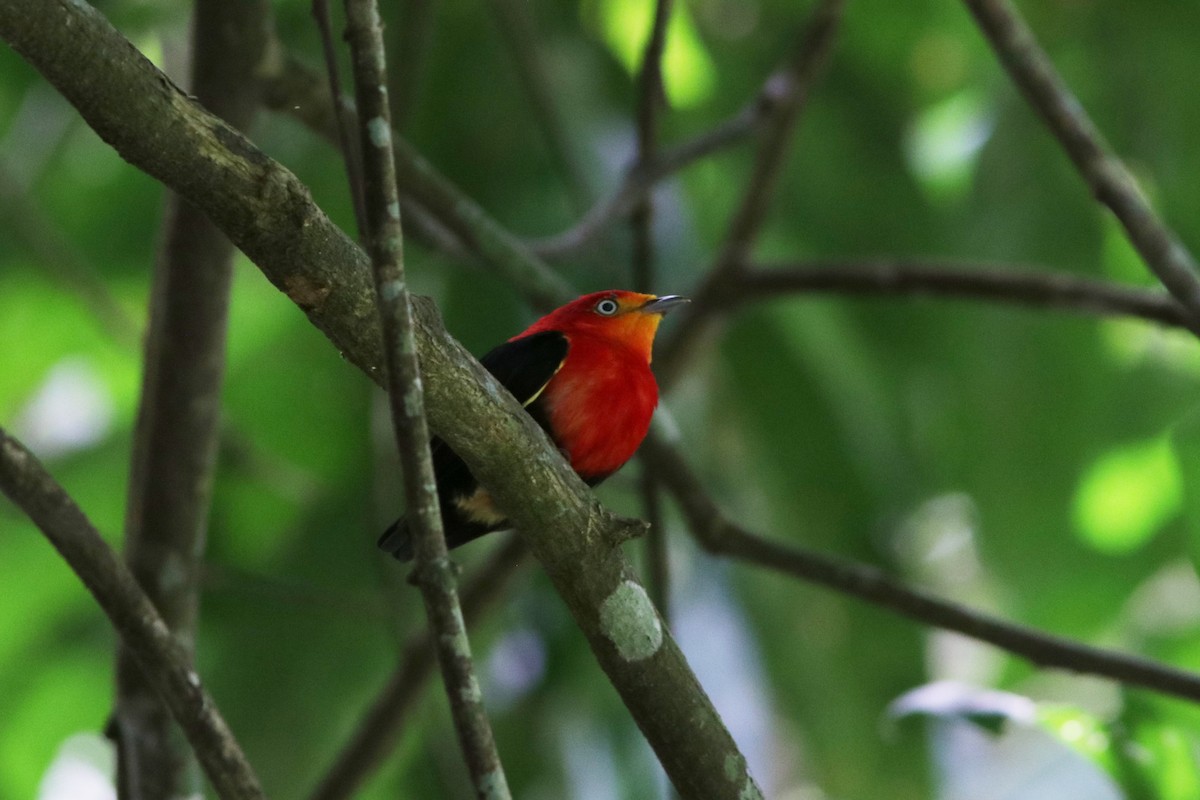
[797, 77]
[143, 632]
[1111, 183]
[380, 728]
[651, 98]
[434, 573]
[175, 447]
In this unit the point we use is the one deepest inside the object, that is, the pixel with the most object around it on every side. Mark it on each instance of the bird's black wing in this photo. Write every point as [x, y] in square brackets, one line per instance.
[523, 366]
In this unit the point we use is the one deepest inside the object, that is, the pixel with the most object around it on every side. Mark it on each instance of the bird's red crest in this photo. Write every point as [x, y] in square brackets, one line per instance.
[616, 316]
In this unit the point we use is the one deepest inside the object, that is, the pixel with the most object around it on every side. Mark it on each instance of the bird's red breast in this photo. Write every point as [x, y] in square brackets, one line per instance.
[600, 402]
[583, 373]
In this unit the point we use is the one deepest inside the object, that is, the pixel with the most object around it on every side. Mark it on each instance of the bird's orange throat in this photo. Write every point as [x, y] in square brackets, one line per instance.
[636, 331]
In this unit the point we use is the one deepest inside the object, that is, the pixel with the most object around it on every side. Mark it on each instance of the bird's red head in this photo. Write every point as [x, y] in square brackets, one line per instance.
[627, 318]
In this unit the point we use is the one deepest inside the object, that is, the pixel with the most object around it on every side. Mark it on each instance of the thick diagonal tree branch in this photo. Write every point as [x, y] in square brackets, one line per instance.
[269, 214]
[1108, 178]
[178, 424]
[724, 537]
[142, 630]
[434, 573]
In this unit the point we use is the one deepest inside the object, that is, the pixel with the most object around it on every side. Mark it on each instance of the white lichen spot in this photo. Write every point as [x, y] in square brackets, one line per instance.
[174, 574]
[391, 290]
[18, 457]
[393, 210]
[412, 405]
[471, 693]
[735, 770]
[493, 785]
[194, 679]
[628, 619]
[456, 645]
[750, 790]
[380, 133]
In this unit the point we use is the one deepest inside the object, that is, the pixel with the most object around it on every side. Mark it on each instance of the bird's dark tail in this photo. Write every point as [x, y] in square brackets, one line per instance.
[397, 540]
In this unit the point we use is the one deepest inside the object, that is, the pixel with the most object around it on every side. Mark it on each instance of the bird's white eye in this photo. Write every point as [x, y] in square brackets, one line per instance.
[607, 307]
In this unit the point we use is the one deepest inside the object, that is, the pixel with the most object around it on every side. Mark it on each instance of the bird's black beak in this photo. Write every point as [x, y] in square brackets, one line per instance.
[661, 305]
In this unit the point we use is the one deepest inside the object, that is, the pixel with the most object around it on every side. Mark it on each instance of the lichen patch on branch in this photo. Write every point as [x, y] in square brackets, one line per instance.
[629, 620]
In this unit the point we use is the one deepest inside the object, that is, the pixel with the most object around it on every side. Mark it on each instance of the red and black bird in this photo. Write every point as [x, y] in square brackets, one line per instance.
[583, 373]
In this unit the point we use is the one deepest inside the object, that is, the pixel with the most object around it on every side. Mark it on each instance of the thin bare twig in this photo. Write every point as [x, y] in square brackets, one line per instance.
[517, 26]
[259, 590]
[55, 253]
[723, 537]
[410, 44]
[296, 90]
[344, 122]
[641, 178]
[434, 573]
[142, 630]
[1111, 183]
[651, 97]
[981, 282]
[797, 78]
[380, 727]
[178, 425]
[658, 562]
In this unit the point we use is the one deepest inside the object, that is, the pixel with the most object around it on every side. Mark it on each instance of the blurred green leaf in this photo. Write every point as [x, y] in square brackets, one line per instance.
[1126, 495]
[688, 73]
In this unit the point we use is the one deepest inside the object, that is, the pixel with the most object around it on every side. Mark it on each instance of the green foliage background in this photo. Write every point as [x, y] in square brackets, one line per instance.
[1039, 466]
